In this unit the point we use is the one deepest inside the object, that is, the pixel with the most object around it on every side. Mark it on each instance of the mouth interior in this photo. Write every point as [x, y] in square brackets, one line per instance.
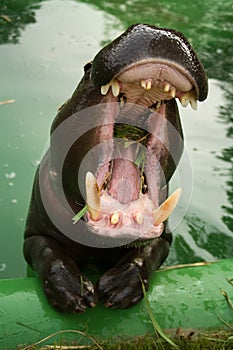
[123, 196]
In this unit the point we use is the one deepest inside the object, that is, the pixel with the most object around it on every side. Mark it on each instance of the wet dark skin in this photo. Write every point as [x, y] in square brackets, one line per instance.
[57, 258]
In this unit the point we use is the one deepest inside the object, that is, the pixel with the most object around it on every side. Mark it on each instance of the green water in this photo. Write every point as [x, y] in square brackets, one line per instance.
[44, 45]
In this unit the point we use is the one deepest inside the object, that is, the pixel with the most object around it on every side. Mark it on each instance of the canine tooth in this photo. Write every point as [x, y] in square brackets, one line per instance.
[184, 100]
[104, 89]
[189, 97]
[139, 217]
[115, 88]
[166, 87]
[92, 196]
[166, 208]
[173, 93]
[193, 103]
[115, 218]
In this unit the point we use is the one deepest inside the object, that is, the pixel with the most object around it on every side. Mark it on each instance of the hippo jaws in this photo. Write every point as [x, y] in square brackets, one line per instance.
[114, 146]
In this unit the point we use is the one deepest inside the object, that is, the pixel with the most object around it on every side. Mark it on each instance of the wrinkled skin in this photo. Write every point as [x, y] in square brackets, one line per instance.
[142, 55]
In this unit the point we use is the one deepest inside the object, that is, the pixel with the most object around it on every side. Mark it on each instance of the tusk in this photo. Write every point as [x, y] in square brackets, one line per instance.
[92, 196]
[166, 208]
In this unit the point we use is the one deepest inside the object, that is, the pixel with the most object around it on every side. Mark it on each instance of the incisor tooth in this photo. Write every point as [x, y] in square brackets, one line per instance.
[166, 87]
[92, 196]
[139, 217]
[166, 208]
[104, 89]
[173, 93]
[122, 102]
[115, 218]
[148, 85]
[143, 84]
[115, 87]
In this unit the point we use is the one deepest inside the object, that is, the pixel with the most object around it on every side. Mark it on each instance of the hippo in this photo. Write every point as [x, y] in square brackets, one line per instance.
[100, 194]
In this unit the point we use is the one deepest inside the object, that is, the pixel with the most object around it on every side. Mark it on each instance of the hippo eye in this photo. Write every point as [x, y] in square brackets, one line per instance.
[87, 66]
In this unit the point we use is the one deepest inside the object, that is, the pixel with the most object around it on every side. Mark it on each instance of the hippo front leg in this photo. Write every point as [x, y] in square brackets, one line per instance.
[121, 286]
[66, 289]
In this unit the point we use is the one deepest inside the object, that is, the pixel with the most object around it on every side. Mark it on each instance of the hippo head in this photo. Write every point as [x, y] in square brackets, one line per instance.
[136, 79]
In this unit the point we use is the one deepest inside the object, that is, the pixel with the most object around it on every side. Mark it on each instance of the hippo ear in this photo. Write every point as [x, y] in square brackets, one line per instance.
[87, 66]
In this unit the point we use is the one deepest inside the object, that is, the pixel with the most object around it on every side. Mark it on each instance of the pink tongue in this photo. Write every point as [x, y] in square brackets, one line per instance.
[125, 181]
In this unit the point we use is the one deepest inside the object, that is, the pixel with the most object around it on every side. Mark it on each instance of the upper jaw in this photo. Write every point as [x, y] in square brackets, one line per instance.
[151, 81]
[143, 42]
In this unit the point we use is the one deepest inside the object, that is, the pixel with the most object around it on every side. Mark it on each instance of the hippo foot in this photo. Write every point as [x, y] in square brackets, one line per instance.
[121, 286]
[67, 290]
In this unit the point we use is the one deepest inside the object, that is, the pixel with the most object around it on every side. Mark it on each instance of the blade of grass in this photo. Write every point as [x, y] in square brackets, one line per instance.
[181, 266]
[65, 347]
[224, 293]
[226, 324]
[63, 332]
[80, 214]
[155, 324]
[230, 280]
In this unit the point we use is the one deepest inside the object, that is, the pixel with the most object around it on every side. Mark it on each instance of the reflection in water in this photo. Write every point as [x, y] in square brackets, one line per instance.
[207, 24]
[14, 16]
[226, 116]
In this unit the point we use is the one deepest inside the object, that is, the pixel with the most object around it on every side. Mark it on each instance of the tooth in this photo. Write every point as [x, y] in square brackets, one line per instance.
[189, 97]
[166, 208]
[193, 103]
[158, 105]
[166, 87]
[143, 84]
[173, 93]
[104, 89]
[139, 217]
[148, 85]
[115, 218]
[184, 100]
[92, 196]
[122, 102]
[115, 87]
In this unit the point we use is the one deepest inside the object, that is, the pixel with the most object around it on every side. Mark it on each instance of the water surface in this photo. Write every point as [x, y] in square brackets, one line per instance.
[43, 47]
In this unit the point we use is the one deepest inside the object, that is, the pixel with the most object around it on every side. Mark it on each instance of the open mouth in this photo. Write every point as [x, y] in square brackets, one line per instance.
[126, 196]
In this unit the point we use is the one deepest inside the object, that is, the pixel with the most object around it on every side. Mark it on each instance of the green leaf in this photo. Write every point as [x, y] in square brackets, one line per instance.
[155, 324]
